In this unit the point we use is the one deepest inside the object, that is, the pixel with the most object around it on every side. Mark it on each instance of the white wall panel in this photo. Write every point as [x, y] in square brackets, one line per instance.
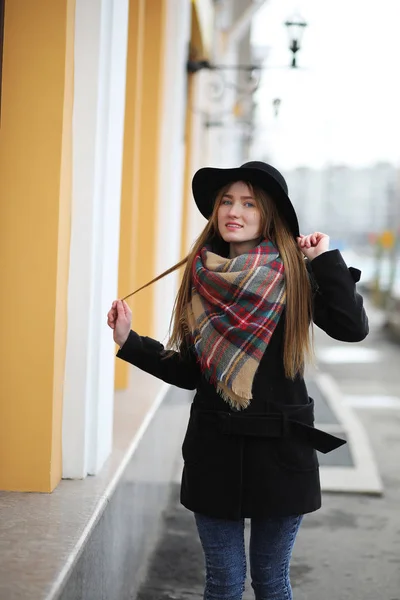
[171, 160]
[100, 66]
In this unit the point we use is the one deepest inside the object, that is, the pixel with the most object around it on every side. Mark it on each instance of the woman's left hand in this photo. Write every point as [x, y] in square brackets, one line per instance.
[314, 244]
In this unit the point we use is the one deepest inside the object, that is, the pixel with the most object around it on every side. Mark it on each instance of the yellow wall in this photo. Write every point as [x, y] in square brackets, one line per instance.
[35, 195]
[145, 85]
[202, 28]
[144, 92]
[131, 164]
[187, 189]
[198, 50]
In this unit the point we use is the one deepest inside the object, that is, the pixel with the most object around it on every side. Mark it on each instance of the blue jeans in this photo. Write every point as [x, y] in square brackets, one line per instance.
[271, 545]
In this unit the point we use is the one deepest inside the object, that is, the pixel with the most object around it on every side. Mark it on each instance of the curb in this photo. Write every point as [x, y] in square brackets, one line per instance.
[363, 476]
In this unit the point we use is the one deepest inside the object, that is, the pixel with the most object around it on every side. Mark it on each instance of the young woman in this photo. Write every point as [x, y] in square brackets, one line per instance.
[241, 336]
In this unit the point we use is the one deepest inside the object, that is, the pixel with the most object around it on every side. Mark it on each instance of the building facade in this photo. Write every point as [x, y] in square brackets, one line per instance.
[350, 203]
[101, 131]
[93, 152]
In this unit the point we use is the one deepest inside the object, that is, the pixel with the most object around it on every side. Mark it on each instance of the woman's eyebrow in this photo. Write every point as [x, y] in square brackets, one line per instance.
[241, 197]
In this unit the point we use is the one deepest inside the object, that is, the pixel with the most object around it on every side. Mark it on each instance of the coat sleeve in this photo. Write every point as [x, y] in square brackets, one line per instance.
[338, 308]
[150, 356]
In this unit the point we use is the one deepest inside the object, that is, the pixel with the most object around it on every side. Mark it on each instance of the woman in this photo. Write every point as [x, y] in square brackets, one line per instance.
[251, 286]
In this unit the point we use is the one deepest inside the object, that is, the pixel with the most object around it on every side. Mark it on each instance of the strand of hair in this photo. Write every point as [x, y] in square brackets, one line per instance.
[179, 264]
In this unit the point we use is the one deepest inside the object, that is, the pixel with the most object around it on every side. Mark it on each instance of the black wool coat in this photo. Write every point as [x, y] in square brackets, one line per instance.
[260, 461]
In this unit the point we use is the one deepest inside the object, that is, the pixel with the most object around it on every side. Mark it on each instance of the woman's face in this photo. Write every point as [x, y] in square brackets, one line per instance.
[239, 218]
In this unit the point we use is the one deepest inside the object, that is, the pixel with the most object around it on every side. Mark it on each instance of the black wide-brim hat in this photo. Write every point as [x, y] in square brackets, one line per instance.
[208, 181]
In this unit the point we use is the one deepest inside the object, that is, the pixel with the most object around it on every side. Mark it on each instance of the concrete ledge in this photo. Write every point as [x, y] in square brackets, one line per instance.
[63, 545]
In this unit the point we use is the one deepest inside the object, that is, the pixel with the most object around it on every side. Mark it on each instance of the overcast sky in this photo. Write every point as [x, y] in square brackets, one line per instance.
[344, 105]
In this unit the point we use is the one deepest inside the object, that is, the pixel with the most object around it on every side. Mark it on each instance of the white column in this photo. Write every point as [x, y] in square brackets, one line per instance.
[171, 160]
[199, 156]
[100, 71]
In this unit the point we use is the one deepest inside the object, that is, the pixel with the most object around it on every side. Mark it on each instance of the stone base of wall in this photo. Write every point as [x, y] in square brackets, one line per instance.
[114, 559]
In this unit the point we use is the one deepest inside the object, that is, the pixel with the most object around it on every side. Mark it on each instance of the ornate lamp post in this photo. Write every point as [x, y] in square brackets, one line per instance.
[276, 103]
[218, 84]
[295, 26]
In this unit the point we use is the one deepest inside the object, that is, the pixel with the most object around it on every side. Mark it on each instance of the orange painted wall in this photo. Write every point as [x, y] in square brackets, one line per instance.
[145, 85]
[35, 197]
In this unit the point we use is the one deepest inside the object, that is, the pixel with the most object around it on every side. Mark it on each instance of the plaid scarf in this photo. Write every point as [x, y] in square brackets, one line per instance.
[236, 305]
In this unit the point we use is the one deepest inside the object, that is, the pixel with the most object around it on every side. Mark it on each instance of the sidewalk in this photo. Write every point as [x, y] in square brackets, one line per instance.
[348, 550]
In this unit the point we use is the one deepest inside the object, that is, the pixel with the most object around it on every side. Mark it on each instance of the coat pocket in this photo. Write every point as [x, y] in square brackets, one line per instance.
[295, 455]
[208, 446]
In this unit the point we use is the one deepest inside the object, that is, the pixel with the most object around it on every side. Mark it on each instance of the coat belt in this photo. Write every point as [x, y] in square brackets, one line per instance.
[271, 425]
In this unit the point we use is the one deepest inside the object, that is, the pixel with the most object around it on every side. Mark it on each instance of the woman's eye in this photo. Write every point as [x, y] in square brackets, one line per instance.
[226, 202]
[250, 204]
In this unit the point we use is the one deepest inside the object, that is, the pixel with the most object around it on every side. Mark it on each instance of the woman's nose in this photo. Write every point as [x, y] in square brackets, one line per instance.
[234, 210]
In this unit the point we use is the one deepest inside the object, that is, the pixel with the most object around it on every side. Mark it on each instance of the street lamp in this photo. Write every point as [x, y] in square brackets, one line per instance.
[276, 103]
[295, 27]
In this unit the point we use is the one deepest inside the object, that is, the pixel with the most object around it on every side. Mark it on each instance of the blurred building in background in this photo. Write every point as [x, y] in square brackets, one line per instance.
[349, 203]
[102, 128]
[359, 208]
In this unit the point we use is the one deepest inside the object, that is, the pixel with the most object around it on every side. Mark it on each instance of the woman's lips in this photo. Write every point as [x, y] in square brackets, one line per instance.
[233, 226]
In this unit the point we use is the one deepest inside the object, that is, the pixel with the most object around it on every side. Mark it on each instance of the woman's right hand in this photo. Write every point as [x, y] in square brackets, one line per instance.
[119, 318]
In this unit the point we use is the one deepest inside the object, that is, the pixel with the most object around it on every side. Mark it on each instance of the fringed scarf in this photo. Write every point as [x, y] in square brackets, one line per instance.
[236, 305]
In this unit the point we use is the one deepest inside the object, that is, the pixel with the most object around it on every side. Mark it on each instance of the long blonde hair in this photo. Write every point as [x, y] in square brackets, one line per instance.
[297, 342]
